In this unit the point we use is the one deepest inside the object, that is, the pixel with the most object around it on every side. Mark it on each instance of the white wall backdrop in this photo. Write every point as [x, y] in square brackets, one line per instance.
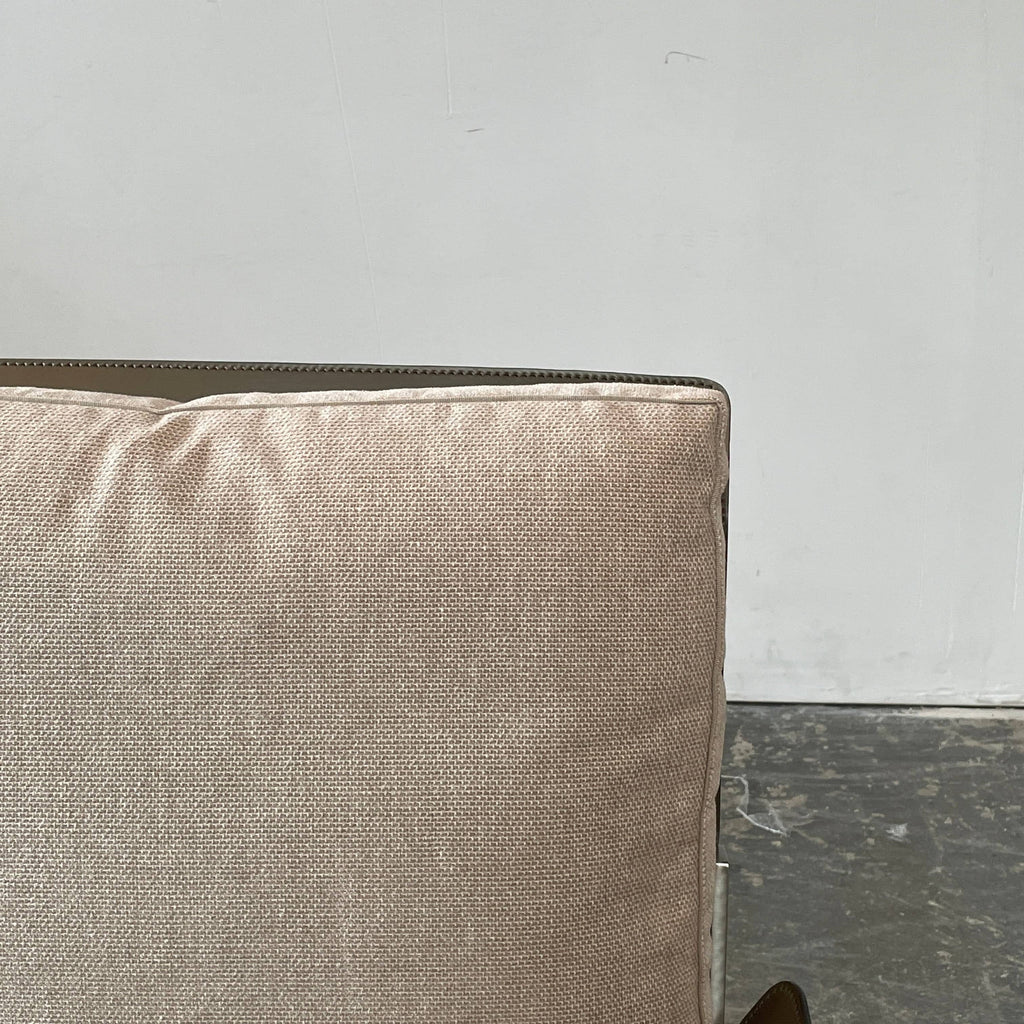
[818, 204]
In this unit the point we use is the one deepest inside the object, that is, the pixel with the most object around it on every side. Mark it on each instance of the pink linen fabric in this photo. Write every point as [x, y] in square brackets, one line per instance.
[349, 706]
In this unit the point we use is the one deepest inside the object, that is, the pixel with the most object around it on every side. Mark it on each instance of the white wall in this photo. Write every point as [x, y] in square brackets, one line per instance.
[821, 208]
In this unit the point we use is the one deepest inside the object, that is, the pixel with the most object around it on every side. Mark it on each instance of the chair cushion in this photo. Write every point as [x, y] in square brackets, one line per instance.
[391, 706]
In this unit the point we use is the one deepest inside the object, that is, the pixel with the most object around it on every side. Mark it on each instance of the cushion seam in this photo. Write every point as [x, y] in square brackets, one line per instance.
[396, 401]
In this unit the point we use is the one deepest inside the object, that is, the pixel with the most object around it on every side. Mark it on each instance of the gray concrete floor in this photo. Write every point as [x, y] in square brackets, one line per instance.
[877, 859]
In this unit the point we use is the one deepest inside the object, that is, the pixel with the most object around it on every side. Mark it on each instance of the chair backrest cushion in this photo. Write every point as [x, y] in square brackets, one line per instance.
[389, 706]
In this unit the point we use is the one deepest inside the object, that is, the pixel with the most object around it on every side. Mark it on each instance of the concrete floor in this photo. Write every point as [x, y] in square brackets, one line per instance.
[877, 859]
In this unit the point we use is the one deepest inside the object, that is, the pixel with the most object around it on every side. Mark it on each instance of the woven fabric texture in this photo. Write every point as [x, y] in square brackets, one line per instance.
[346, 706]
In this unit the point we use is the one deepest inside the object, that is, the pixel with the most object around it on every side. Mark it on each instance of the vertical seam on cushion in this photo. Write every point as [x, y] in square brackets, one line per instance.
[717, 713]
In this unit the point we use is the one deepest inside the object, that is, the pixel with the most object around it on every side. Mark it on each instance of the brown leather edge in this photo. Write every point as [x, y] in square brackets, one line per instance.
[183, 381]
[783, 1003]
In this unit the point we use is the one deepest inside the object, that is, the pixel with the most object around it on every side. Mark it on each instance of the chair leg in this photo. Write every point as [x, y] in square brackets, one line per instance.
[719, 929]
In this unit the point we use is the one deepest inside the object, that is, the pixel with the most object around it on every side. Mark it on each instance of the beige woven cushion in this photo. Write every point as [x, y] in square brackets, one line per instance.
[348, 706]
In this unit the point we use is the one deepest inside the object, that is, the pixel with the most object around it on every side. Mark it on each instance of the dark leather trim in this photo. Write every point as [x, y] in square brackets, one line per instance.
[184, 381]
[783, 1003]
